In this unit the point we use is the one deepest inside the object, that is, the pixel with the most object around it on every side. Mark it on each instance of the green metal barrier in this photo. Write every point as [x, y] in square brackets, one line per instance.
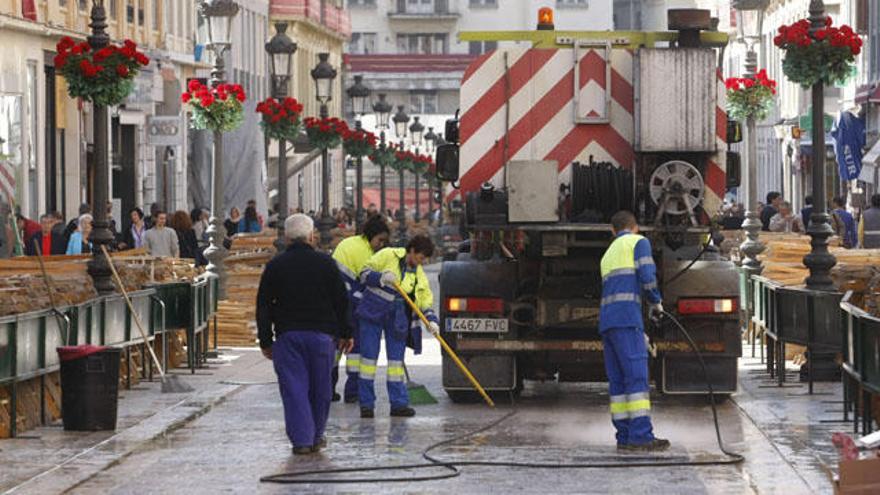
[28, 340]
[861, 334]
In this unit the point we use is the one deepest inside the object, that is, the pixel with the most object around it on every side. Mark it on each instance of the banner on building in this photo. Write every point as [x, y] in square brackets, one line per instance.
[848, 134]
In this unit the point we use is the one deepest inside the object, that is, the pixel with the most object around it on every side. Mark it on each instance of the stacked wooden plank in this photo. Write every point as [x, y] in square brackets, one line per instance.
[28, 403]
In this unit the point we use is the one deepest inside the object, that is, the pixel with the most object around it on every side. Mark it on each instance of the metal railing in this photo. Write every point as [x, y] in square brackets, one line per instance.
[28, 340]
[861, 361]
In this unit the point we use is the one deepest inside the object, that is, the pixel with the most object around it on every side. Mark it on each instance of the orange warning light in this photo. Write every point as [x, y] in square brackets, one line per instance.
[545, 19]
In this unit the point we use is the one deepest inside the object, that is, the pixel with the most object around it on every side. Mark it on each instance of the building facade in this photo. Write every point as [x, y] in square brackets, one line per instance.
[47, 136]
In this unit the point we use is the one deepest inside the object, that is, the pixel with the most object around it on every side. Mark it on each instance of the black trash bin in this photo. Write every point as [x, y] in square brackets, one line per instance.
[89, 387]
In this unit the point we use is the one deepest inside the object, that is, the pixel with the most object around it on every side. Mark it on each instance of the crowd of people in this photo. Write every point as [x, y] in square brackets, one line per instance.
[777, 215]
[161, 233]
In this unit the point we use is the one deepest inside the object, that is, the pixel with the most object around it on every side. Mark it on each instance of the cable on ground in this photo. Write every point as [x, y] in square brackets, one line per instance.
[452, 467]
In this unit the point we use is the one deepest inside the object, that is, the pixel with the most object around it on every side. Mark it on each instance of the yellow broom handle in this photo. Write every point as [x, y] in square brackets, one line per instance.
[446, 347]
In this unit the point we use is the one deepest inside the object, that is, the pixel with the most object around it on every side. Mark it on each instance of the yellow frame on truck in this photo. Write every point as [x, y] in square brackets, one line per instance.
[617, 39]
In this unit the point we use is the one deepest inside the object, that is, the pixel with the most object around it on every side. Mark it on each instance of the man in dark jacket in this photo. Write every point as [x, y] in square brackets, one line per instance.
[302, 300]
[46, 242]
[772, 208]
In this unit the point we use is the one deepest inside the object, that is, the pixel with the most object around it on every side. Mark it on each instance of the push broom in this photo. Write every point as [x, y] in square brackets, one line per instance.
[170, 384]
[445, 346]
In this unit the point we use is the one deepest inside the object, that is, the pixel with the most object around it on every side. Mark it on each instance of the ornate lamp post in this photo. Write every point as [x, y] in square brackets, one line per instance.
[819, 261]
[382, 109]
[323, 74]
[416, 130]
[749, 23]
[99, 267]
[360, 95]
[400, 120]
[218, 14]
[430, 146]
[281, 49]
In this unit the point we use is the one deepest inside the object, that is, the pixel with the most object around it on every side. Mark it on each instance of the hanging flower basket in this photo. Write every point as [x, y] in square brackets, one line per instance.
[104, 77]
[325, 133]
[358, 143]
[748, 97]
[281, 119]
[384, 155]
[420, 164]
[215, 109]
[827, 56]
[403, 161]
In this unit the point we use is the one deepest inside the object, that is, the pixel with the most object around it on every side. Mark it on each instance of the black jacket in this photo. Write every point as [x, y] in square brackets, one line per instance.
[57, 243]
[301, 289]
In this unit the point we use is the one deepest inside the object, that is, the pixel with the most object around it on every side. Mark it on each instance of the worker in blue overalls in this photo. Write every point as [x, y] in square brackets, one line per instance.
[383, 308]
[628, 274]
[351, 255]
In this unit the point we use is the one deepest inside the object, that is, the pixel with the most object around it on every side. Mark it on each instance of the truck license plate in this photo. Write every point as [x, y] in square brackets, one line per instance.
[491, 325]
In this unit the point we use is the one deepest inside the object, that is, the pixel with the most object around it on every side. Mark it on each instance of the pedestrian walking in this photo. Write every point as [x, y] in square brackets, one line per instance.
[786, 221]
[869, 225]
[807, 211]
[251, 221]
[232, 223]
[79, 239]
[73, 224]
[774, 200]
[382, 309]
[351, 255]
[160, 240]
[843, 223]
[302, 308]
[628, 274]
[188, 246]
[199, 218]
[134, 236]
[47, 241]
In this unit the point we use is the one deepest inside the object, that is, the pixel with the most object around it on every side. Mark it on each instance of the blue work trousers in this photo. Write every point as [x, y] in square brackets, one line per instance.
[626, 363]
[303, 361]
[371, 338]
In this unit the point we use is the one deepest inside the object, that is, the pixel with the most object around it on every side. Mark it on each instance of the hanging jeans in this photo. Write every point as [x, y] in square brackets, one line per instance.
[303, 361]
[371, 338]
[626, 363]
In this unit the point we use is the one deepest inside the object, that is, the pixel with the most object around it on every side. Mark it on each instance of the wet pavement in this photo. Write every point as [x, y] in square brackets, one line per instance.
[231, 434]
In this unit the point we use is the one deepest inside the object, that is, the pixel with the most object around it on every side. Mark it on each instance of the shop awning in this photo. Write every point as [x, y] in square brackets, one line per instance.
[868, 93]
[872, 156]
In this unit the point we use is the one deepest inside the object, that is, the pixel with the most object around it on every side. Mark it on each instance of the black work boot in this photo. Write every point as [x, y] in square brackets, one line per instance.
[351, 399]
[403, 412]
[336, 397]
[303, 450]
[366, 412]
[322, 443]
[655, 445]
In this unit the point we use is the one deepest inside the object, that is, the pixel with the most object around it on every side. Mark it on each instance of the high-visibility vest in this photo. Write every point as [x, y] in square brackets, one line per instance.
[351, 255]
[628, 271]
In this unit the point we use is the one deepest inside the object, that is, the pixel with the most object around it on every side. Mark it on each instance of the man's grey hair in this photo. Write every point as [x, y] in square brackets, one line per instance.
[785, 204]
[298, 227]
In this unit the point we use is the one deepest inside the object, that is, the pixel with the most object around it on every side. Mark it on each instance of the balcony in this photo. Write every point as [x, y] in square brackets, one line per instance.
[326, 13]
[434, 10]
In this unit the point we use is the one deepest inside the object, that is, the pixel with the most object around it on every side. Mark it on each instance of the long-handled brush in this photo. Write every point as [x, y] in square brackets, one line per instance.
[418, 393]
[170, 384]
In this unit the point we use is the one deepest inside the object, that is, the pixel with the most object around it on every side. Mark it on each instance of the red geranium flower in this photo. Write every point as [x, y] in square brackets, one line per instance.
[122, 70]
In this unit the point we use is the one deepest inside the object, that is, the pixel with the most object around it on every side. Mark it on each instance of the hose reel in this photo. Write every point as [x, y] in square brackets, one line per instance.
[676, 187]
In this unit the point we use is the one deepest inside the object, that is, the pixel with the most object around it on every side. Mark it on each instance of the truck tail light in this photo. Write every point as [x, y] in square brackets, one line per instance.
[474, 305]
[706, 306]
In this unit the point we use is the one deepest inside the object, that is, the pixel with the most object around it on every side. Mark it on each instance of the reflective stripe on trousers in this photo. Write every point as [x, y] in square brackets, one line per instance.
[396, 372]
[367, 368]
[352, 363]
[630, 406]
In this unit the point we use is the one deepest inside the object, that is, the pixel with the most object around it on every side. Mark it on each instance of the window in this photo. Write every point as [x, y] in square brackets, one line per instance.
[572, 3]
[129, 12]
[361, 3]
[83, 5]
[362, 43]
[416, 6]
[112, 9]
[422, 44]
[481, 47]
[156, 14]
[483, 3]
[141, 14]
[423, 102]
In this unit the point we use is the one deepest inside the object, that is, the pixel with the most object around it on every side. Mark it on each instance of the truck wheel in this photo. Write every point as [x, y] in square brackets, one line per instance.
[464, 396]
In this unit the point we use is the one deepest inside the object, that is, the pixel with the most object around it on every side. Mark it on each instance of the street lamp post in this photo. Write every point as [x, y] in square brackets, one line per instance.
[323, 74]
[416, 130]
[400, 120]
[281, 49]
[819, 260]
[430, 146]
[749, 23]
[218, 15]
[99, 266]
[359, 94]
[382, 109]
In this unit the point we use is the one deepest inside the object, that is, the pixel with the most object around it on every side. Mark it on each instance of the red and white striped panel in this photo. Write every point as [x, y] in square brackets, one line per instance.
[715, 176]
[7, 182]
[539, 121]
